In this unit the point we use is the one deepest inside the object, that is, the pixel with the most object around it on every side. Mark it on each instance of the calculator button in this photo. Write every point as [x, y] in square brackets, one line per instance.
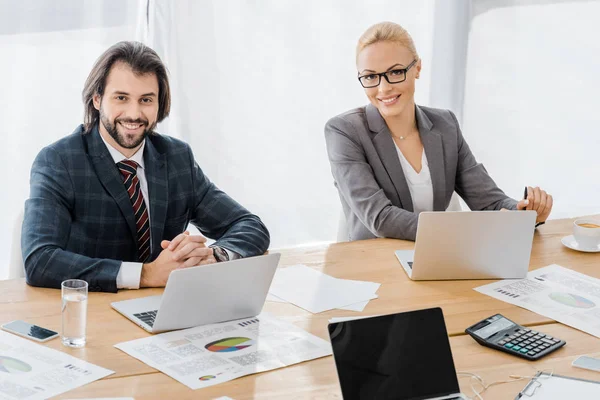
[527, 330]
[516, 348]
[540, 349]
[549, 337]
[502, 342]
[527, 342]
[511, 337]
[537, 337]
[528, 347]
[524, 351]
[550, 342]
[542, 335]
[508, 345]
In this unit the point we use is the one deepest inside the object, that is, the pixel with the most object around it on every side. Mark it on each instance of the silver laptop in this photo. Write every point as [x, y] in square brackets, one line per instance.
[403, 356]
[470, 245]
[204, 295]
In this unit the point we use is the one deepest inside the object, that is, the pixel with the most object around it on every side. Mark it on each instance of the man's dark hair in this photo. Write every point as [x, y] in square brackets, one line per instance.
[142, 60]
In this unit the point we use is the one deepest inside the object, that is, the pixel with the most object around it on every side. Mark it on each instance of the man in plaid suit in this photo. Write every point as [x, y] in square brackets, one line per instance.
[110, 202]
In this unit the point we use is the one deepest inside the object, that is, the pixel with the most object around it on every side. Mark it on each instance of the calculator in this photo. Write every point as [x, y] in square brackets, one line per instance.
[500, 333]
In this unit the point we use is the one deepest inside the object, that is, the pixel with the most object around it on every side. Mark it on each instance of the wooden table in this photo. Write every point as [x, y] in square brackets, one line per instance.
[371, 260]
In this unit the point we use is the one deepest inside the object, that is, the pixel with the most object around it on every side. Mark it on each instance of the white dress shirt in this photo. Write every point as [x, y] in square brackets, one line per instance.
[419, 184]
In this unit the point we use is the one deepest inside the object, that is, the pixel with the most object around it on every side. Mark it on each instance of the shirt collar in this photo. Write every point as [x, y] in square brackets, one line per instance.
[138, 157]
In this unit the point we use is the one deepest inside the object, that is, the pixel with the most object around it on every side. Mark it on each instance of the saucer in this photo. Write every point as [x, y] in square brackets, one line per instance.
[571, 243]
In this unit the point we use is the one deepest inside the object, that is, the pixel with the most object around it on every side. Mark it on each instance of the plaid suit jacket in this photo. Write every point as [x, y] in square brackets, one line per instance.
[79, 221]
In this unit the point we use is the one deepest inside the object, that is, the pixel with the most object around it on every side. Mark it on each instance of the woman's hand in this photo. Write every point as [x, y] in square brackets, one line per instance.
[537, 200]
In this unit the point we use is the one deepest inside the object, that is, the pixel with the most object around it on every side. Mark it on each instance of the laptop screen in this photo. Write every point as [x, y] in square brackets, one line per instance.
[403, 356]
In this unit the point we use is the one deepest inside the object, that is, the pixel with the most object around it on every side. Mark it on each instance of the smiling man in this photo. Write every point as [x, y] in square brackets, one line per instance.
[110, 203]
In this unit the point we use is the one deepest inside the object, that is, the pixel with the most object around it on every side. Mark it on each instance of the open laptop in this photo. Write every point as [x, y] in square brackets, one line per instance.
[404, 356]
[204, 295]
[470, 245]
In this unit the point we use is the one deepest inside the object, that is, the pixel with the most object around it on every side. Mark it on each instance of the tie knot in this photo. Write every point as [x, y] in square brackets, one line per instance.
[127, 167]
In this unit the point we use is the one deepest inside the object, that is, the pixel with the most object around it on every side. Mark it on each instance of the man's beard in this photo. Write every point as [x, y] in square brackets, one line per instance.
[111, 128]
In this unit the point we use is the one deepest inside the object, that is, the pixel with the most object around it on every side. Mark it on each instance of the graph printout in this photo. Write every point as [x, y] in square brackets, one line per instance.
[212, 354]
[32, 371]
[554, 292]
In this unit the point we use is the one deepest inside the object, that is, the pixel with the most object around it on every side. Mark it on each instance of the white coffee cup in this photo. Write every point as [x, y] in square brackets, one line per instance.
[587, 232]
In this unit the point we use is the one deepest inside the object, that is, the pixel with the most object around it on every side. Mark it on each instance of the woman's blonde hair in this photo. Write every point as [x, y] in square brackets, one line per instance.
[386, 32]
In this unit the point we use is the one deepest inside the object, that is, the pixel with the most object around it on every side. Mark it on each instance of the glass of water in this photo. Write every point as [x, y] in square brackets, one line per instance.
[74, 312]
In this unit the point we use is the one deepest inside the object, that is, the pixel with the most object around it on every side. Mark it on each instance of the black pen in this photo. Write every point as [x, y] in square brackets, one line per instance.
[525, 198]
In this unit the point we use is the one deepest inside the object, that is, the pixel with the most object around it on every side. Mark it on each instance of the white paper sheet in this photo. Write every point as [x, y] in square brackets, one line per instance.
[212, 354]
[32, 371]
[352, 307]
[317, 292]
[275, 299]
[554, 292]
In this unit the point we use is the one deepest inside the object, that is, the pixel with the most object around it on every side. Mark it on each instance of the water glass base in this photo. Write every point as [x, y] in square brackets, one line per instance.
[73, 342]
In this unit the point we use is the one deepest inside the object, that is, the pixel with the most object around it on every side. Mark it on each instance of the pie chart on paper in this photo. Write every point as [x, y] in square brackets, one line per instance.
[571, 300]
[229, 344]
[13, 366]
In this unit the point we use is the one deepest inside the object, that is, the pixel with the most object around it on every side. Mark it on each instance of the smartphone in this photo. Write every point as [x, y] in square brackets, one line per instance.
[29, 331]
[587, 362]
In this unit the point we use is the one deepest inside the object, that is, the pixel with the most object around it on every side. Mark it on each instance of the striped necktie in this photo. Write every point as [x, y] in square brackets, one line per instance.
[128, 169]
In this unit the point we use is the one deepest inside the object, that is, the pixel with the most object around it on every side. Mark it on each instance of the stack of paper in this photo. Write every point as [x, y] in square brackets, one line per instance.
[316, 292]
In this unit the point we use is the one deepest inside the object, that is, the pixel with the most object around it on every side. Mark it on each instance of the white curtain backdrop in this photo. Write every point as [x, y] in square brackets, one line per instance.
[48, 48]
[531, 103]
[255, 82]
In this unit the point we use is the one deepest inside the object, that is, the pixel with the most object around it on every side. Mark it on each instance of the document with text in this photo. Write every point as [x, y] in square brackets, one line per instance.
[211, 354]
[555, 292]
[31, 371]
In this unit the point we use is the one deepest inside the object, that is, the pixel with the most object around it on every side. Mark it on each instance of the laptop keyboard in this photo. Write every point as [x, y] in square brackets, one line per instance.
[147, 317]
[410, 263]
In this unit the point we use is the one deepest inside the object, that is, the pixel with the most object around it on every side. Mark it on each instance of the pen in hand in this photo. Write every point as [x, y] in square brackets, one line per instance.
[527, 203]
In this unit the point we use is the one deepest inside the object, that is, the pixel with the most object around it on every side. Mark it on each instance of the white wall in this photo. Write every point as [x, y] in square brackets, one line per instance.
[531, 105]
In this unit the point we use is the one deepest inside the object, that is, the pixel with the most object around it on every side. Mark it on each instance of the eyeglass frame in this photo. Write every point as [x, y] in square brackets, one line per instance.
[384, 74]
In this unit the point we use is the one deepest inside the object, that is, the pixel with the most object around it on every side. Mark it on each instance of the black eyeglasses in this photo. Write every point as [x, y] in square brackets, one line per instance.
[392, 76]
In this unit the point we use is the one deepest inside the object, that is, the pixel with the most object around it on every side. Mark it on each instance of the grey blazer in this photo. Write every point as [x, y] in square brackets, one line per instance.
[370, 181]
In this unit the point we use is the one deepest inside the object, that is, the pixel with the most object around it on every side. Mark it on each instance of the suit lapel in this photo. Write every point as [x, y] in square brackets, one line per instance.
[110, 177]
[158, 188]
[434, 150]
[386, 148]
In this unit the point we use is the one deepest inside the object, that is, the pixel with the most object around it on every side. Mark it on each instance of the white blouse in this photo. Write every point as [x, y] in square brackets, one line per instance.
[420, 185]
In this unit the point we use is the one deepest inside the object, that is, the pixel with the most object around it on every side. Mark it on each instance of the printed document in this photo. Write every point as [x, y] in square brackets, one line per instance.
[32, 371]
[211, 354]
[554, 292]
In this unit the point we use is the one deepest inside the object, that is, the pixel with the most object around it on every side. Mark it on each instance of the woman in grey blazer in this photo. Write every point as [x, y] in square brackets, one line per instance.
[393, 159]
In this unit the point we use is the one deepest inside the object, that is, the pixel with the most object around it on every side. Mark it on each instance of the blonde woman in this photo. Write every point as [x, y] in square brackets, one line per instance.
[393, 159]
